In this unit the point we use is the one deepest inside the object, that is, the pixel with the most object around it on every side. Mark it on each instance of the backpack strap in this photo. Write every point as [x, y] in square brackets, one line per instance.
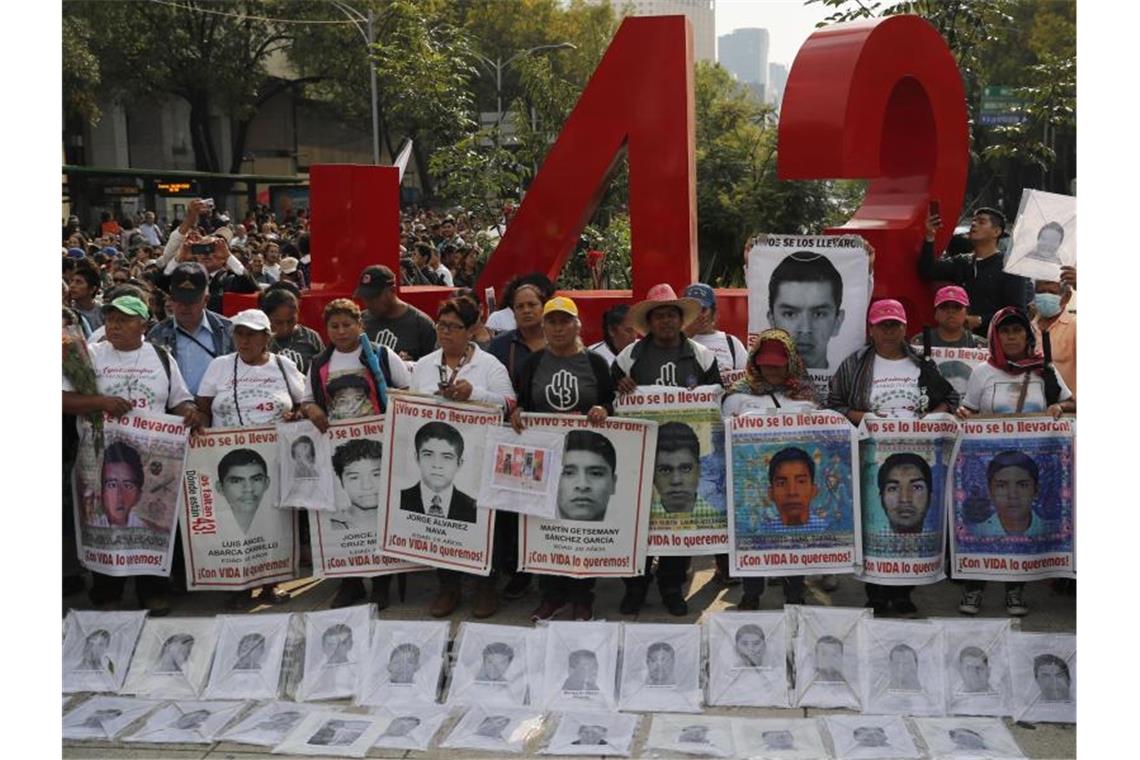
[285, 377]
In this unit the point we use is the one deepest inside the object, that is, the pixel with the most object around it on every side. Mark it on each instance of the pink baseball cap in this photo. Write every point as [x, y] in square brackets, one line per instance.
[884, 310]
[951, 294]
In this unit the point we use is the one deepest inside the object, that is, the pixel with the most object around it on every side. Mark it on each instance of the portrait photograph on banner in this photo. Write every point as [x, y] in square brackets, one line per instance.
[793, 494]
[904, 464]
[1044, 236]
[269, 724]
[871, 737]
[303, 453]
[596, 734]
[816, 288]
[747, 654]
[172, 658]
[520, 471]
[333, 734]
[336, 648]
[1044, 672]
[104, 718]
[495, 729]
[410, 727]
[602, 499]
[491, 665]
[967, 738]
[345, 540]
[431, 481]
[186, 722]
[97, 648]
[248, 656]
[957, 364]
[405, 662]
[126, 495]
[977, 666]
[233, 534]
[904, 667]
[661, 667]
[1013, 500]
[828, 656]
[688, 515]
[691, 735]
[580, 668]
[780, 738]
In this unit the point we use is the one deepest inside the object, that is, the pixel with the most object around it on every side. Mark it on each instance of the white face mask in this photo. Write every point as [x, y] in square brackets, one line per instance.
[1048, 305]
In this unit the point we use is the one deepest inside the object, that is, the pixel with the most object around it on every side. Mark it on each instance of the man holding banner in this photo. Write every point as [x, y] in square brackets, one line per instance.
[663, 357]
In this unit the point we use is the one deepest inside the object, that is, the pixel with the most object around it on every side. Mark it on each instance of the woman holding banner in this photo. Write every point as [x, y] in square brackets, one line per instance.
[461, 371]
[290, 337]
[775, 380]
[252, 387]
[1015, 381]
[887, 378]
[347, 384]
[564, 378]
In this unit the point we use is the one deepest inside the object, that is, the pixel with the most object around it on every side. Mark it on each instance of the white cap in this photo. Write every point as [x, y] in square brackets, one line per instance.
[254, 319]
[289, 265]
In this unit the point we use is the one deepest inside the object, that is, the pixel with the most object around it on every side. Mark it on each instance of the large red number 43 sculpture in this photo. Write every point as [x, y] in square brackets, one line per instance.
[879, 100]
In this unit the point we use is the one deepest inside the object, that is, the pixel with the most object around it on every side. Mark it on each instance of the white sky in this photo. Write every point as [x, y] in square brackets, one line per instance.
[789, 23]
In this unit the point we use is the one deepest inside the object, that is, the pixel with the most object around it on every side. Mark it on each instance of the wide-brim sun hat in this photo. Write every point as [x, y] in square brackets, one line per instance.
[660, 295]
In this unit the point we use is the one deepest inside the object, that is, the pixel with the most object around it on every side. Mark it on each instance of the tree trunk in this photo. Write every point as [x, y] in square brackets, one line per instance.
[201, 134]
[241, 132]
[422, 168]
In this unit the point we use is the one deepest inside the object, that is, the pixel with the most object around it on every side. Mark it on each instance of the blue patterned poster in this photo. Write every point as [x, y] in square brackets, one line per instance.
[1013, 499]
[793, 494]
[903, 466]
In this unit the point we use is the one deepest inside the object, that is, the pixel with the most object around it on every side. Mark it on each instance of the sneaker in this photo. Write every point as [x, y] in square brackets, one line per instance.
[749, 602]
[350, 592]
[517, 586]
[829, 582]
[971, 603]
[548, 610]
[583, 612]
[632, 602]
[675, 603]
[1014, 604]
[905, 607]
[877, 606]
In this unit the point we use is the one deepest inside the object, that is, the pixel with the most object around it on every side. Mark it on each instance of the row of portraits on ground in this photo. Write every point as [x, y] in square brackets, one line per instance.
[822, 657]
[785, 494]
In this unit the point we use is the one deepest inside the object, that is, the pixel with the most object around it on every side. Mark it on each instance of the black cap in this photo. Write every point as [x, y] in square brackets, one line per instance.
[995, 214]
[188, 282]
[374, 280]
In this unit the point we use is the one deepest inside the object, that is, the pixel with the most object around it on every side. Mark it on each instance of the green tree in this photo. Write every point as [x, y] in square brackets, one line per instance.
[81, 74]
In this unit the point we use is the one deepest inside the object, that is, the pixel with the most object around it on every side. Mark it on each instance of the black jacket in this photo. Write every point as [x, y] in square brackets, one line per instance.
[990, 288]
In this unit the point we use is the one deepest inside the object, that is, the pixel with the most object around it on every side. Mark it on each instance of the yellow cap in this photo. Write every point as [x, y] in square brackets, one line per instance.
[560, 303]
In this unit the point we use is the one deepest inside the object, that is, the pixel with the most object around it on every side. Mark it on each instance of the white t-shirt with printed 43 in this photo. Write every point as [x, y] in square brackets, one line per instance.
[137, 376]
[262, 396]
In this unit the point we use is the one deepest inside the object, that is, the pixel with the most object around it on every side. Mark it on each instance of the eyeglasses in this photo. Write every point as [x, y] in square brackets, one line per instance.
[449, 327]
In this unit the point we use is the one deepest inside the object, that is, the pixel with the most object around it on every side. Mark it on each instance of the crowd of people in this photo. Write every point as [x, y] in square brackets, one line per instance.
[149, 298]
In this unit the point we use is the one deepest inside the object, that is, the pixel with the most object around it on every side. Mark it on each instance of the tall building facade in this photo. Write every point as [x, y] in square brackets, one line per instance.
[777, 81]
[744, 53]
[701, 13]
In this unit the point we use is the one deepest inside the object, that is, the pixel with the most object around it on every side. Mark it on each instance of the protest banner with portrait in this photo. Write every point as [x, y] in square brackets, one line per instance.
[904, 464]
[520, 471]
[1044, 237]
[793, 494]
[604, 495]
[306, 481]
[233, 534]
[688, 515]
[957, 364]
[1012, 499]
[815, 287]
[430, 482]
[126, 495]
[346, 540]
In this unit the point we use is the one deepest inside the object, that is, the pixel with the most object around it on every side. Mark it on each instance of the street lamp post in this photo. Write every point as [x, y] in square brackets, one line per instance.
[499, 64]
[366, 31]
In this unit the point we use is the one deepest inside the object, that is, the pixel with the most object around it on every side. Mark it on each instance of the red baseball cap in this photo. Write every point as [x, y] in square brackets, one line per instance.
[884, 310]
[951, 294]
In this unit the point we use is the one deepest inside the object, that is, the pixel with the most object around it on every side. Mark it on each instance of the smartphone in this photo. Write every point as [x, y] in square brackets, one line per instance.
[933, 209]
[201, 249]
[489, 297]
